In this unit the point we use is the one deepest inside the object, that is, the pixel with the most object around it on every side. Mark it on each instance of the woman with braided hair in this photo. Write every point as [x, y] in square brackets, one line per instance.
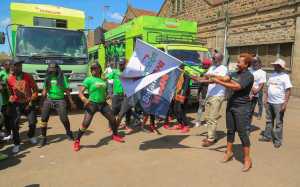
[55, 87]
[96, 102]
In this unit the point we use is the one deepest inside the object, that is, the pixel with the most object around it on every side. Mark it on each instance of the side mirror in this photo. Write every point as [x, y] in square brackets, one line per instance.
[2, 38]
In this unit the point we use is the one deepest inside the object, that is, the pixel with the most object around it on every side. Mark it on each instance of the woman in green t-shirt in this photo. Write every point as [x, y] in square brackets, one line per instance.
[55, 87]
[96, 102]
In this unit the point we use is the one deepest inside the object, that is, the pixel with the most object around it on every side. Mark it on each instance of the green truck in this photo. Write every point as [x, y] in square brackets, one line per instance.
[41, 34]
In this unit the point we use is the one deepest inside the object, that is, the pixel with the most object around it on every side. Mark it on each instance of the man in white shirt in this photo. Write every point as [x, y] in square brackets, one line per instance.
[276, 98]
[110, 82]
[214, 99]
[260, 78]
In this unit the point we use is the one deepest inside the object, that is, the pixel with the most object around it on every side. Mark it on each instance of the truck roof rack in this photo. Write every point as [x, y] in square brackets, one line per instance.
[180, 39]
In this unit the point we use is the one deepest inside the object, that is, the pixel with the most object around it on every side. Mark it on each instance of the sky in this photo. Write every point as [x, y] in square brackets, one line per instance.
[92, 8]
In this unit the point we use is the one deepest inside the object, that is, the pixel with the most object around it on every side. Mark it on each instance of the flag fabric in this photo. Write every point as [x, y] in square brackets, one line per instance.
[146, 65]
[156, 97]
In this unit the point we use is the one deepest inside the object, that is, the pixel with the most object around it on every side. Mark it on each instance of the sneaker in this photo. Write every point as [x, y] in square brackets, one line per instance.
[277, 145]
[128, 129]
[166, 126]
[198, 124]
[9, 137]
[2, 134]
[185, 129]
[16, 149]
[33, 140]
[76, 145]
[208, 143]
[177, 127]
[43, 142]
[152, 128]
[264, 139]
[117, 138]
[3, 156]
[70, 136]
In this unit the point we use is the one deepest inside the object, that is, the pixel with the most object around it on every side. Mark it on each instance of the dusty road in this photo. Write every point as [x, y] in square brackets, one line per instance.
[170, 159]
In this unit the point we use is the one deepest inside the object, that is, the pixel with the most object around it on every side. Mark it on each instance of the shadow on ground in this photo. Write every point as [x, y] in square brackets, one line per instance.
[165, 142]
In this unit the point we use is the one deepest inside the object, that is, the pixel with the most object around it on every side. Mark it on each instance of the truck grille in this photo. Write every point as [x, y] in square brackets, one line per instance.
[42, 73]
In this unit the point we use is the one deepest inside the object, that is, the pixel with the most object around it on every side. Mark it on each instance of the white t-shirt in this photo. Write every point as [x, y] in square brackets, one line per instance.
[277, 85]
[216, 89]
[260, 77]
[107, 71]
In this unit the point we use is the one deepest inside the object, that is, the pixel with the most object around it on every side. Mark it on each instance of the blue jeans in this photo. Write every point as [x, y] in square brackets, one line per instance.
[274, 123]
[260, 102]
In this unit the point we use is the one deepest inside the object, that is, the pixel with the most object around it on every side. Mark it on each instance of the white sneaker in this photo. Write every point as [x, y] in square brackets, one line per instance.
[2, 134]
[198, 124]
[6, 138]
[16, 149]
[33, 140]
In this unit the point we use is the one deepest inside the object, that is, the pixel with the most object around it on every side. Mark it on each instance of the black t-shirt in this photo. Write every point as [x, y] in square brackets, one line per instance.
[245, 79]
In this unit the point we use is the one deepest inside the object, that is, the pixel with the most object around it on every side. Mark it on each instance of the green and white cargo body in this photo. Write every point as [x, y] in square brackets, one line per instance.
[42, 34]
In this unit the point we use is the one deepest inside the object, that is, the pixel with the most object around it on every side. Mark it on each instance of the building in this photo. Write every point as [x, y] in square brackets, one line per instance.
[132, 13]
[268, 28]
[96, 37]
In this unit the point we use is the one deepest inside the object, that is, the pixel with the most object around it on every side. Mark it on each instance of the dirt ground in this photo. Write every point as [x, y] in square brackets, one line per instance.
[169, 159]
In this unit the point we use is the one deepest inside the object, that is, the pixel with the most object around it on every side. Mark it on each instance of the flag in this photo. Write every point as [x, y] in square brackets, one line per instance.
[146, 65]
[156, 97]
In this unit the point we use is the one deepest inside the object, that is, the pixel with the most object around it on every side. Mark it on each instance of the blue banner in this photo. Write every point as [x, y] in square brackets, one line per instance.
[156, 97]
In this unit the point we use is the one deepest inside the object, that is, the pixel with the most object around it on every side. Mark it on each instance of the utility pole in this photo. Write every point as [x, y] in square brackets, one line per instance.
[105, 10]
[227, 22]
[89, 18]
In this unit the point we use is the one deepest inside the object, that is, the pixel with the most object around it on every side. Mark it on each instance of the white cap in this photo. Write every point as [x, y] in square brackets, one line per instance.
[279, 62]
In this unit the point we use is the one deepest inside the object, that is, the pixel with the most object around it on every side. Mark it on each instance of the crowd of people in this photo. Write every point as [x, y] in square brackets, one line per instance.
[242, 89]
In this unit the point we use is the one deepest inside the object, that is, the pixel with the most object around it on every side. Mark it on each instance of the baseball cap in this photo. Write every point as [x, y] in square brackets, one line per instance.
[279, 62]
[206, 62]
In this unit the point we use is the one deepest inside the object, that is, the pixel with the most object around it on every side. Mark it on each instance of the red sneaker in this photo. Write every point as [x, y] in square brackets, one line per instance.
[128, 129]
[76, 145]
[118, 138]
[166, 126]
[185, 129]
[152, 128]
[177, 127]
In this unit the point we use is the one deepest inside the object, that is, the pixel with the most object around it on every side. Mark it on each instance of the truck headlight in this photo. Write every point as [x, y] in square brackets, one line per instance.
[77, 76]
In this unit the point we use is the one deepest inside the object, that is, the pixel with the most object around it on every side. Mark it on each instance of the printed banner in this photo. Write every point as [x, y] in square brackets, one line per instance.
[157, 96]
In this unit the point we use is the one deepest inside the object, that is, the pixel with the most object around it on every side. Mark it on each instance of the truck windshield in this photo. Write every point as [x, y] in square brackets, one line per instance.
[46, 42]
[190, 57]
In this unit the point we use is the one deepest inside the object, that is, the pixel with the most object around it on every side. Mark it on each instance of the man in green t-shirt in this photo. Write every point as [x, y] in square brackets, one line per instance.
[96, 102]
[119, 97]
[56, 85]
[5, 97]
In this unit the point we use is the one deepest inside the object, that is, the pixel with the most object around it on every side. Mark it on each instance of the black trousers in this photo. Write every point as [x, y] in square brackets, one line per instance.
[180, 113]
[16, 110]
[237, 120]
[251, 112]
[6, 121]
[105, 110]
[61, 108]
[120, 106]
